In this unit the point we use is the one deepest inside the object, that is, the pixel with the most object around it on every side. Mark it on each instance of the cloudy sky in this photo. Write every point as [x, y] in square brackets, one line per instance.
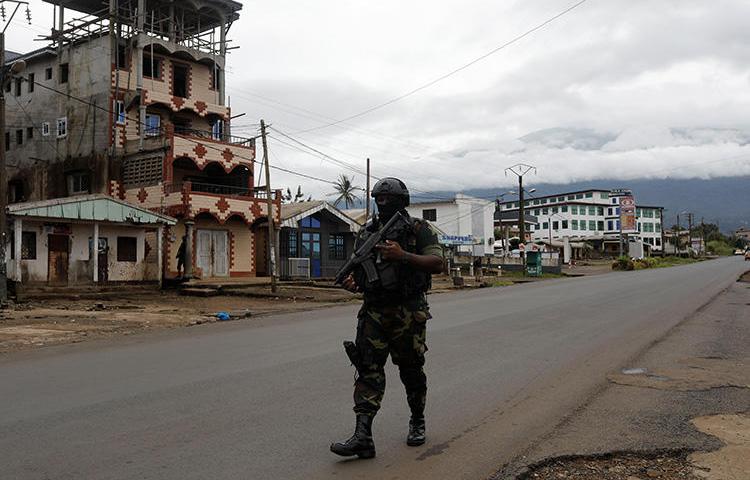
[614, 88]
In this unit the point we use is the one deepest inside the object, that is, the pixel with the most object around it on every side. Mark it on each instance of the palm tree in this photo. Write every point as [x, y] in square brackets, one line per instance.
[345, 189]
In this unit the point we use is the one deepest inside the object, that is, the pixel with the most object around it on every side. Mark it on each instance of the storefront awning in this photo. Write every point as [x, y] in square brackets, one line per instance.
[89, 208]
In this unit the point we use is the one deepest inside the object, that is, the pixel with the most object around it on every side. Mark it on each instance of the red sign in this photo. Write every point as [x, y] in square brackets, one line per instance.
[627, 214]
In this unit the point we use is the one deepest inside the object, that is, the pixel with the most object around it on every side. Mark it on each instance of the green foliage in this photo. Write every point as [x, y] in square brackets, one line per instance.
[719, 247]
[345, 188]
[623, 263]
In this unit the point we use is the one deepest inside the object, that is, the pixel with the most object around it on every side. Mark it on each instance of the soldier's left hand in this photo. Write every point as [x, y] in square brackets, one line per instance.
[391, 251]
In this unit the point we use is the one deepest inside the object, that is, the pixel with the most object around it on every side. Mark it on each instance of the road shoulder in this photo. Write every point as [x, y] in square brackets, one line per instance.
[680, 410]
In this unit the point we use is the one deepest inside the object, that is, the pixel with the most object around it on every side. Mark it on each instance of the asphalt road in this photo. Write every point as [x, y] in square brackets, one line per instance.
[263, 399]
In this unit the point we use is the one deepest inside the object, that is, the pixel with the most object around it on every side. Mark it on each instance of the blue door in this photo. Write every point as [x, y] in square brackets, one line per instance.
[311, 249]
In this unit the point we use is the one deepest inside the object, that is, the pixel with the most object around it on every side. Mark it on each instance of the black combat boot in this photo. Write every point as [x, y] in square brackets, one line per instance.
[359, 444]
[416, 436]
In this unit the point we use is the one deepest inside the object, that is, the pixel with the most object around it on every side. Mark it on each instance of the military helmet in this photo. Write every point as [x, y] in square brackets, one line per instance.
[391, 186]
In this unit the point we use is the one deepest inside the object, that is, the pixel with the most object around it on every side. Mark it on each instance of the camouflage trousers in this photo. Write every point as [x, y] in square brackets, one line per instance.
[398, 331]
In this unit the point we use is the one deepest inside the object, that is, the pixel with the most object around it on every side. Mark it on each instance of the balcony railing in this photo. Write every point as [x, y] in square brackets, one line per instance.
[232, 139]
[218, 189]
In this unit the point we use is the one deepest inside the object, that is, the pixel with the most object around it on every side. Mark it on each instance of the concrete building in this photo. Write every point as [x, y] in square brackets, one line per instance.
[129, 100]
[84, 240]
[591, 216]
[461, 216]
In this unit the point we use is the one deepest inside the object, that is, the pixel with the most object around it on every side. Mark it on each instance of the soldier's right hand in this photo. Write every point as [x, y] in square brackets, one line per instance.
[350, 284]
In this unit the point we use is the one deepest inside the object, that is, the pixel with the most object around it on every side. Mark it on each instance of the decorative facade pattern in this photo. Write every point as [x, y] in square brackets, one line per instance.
[204, 151]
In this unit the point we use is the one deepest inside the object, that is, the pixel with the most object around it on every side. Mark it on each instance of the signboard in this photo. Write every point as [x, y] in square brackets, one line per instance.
[456, 239]
[627, 214]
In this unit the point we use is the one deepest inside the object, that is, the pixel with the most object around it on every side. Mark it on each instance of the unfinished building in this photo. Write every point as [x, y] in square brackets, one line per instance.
[128, 99]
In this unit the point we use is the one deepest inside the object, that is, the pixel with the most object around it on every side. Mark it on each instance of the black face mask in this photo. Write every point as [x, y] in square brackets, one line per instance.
[388, 209]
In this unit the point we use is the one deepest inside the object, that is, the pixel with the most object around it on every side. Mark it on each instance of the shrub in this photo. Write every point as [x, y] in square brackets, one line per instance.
[623, 263]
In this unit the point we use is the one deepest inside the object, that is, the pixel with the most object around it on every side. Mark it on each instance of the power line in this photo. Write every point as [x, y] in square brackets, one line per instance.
[451, 73]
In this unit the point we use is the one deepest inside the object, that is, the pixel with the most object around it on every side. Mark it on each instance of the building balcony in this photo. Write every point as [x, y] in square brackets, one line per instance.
[190, 199]
[204, 148]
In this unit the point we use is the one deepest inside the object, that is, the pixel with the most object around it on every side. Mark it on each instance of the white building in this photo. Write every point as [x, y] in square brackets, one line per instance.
[461, 216]
[589, 215]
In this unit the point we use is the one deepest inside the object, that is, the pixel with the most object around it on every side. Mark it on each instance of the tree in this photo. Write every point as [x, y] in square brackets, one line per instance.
[345, 188]
[297, 197]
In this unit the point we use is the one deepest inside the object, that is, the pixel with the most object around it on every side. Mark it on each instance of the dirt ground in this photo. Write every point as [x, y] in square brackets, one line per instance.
[40, 323]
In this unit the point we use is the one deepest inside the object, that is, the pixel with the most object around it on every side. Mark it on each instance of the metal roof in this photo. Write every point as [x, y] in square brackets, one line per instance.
[291, 213]
[96, 207]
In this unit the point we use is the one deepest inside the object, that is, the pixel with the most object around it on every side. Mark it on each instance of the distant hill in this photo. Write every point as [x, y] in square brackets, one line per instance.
[725, 201]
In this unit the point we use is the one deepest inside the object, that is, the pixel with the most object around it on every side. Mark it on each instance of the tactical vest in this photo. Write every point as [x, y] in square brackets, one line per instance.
[398, 280]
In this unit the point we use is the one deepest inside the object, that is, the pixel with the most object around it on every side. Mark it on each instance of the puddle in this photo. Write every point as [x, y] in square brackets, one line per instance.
[731, 462]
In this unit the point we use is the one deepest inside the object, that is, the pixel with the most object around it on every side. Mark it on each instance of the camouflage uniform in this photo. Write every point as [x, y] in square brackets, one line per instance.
[399, 329]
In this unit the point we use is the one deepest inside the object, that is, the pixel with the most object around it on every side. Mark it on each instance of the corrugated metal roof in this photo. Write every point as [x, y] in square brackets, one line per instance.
[89, 208]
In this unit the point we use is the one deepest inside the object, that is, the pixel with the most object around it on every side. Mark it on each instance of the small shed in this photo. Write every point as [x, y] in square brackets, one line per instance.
[88, 239]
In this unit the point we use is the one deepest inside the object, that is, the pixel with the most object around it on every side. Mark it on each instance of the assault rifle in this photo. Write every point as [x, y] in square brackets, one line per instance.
[364, 254]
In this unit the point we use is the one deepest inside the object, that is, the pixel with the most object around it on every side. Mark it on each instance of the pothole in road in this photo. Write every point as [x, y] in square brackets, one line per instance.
[617, 466]
[690, 374]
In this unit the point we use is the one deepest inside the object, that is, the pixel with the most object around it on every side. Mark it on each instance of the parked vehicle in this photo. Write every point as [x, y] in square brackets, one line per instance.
[747, 255]
[738, 251]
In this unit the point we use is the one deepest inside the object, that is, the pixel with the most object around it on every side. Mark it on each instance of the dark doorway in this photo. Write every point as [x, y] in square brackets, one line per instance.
[102, 252]
[261, 251]
[180, 81]
[59, 248]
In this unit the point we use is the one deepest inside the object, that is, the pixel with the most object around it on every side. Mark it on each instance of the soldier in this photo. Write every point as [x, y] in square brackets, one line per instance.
[393, 321]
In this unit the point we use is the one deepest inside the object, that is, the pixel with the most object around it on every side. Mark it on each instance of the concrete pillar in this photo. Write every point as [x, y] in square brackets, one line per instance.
[95, 252]
[189, 224]
[566, 249]
[18, 237]
[160, 254]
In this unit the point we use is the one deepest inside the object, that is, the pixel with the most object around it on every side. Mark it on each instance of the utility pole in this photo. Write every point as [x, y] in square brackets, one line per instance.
[5, 77]
[678, 235]
[690, 231]
[519, 170]
[367, 193]
[269, 203]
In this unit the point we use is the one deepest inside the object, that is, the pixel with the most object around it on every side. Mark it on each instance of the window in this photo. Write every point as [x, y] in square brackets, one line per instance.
[336, 247]
[536, 202]
[657, 227]
[555, 225]
[120, 112]
[19, 137]
[122, 58]
[28, 245]
[152, 67]
[215, 78]
[62, 127]
[571, 197]
[600, 225]
[217, 130]
[78, 183]
[592, 225]
[610, 225]
[579, 196]
[564, 224]
[582, 224]
[29, 133]
[574, 224]
[127, 249]
[309, 222]
[592, 210]
[560, 199]
[7, 141]
[658, 242]
[564, 209]
[142, 172]
[48, 73]
[45, 129]
[8, 87]
[544, 201]
[554, 209]
[536, 212]
[609, 211]
[429, 214]
[604, 195]
[600, 211]
[18, 87]
[590, 195]
[153, 125]
[545, 225]
[545, 211]
[64, 73]
[15, 191]
[574, 210]
[289, 242]
[180, 81]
